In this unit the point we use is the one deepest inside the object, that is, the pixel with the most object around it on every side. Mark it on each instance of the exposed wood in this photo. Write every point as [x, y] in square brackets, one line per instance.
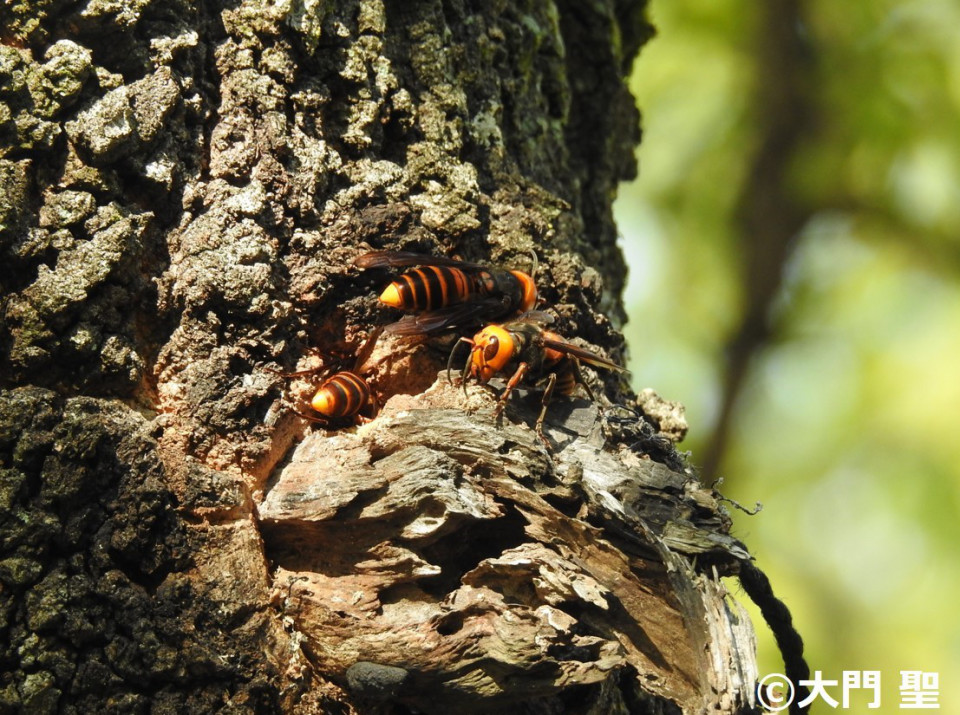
[488, 567]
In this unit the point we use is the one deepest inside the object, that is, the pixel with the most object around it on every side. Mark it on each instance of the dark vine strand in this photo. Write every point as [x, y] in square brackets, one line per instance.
[778, 618]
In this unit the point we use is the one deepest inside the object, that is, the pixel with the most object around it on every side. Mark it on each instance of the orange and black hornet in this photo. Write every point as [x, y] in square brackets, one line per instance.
[342, 395]
[525, 349]
[446, 293]
[345, 395]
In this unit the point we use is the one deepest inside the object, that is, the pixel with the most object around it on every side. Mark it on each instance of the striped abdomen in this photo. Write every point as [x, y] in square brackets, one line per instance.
[567, 379]
[429, 288]
[342, 395]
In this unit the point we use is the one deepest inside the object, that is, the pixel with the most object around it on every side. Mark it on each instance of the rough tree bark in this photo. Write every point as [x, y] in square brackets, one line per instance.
[184, 187]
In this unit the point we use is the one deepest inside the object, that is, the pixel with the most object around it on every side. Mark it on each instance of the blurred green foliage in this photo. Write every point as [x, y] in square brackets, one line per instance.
[847, 426]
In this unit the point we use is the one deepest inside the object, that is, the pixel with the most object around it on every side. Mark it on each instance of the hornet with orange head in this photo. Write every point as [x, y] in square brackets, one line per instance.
[446, 293]
[525, 349]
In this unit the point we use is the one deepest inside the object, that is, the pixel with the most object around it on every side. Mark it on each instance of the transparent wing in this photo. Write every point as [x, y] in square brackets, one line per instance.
[434, 321]
[535, 317]
[403, 259]
[581, 354]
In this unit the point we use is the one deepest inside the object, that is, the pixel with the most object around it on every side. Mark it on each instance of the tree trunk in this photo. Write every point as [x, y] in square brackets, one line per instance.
[184, 190]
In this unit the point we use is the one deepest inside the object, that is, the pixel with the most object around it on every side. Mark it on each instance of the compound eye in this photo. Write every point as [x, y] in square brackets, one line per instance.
[491, 349]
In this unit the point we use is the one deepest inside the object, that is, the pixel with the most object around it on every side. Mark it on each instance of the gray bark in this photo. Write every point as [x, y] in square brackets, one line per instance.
[184, 188]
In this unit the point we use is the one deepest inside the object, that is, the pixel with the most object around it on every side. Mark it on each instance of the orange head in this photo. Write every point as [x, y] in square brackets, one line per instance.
[492, 349]
[529, 290]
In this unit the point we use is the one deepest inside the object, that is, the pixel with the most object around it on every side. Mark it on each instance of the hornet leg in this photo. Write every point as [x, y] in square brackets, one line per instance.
[511, 383]
[578, 376]
[547, 394]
